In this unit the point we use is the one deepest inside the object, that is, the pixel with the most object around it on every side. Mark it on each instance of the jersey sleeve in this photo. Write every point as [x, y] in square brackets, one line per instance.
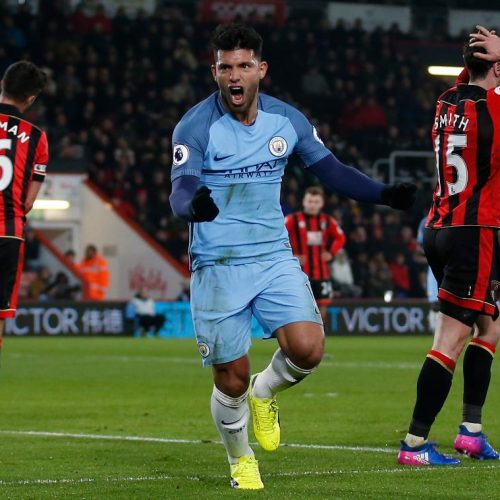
[188, 150]
[309, 146]
[338, 237]
[41, 159]
[290, 227]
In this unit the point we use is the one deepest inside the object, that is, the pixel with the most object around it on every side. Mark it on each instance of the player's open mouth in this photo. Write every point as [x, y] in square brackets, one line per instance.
[237, 94]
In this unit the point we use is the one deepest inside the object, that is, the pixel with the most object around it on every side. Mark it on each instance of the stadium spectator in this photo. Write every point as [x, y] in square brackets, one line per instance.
[99, 21]
[400, 275]
[61, 289]
[70, 255]
[342, 276]
[379, 277]
[38, 285]
[94, 269]
[314, 83]
[407, 240]
[148, 320]
[185, 293]
[31, 250]
[357, 242]
[361, 272]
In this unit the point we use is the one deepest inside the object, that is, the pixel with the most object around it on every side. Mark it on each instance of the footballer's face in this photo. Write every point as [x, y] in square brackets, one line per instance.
[238, 74]
[312, 203]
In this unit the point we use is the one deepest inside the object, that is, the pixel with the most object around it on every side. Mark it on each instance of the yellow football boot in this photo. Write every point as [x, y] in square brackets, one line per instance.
[245, 474]
[265, 417]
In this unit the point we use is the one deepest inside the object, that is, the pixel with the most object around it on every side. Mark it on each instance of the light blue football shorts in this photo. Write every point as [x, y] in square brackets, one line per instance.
[224, 298]
[432, 287]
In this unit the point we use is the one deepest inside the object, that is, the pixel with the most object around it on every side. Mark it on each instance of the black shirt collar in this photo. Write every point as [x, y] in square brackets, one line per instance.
[9, 109]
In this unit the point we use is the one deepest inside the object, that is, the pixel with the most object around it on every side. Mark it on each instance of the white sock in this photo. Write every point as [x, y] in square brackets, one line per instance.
[471, 427]
[280, 374]
[231, 419]
[414, 441]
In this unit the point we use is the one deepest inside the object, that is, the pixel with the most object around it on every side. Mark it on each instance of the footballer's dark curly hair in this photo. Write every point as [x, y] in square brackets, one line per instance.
[478, 68]
[236, 36]
[23, 79]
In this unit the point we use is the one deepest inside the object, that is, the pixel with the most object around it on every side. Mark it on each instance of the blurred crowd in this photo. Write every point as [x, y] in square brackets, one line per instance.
[117, 87]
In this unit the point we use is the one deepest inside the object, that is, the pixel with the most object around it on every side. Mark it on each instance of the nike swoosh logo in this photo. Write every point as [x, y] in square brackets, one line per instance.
[219, 158]
[230, 423]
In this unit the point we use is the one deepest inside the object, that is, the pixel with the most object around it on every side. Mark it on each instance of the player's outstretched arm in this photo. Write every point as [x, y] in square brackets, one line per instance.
[190, 202]
[489, 41]
[352, 183]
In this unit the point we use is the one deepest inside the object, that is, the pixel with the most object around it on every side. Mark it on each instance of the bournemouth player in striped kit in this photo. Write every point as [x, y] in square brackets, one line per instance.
[315, 238]
[461, 246]
[23, 161]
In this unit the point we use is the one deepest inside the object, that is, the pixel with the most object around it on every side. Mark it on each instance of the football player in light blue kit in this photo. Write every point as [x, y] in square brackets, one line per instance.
[229, 155]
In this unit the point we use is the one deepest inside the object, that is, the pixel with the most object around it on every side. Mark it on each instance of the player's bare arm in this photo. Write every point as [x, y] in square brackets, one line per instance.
[487, 40]
[32, 194]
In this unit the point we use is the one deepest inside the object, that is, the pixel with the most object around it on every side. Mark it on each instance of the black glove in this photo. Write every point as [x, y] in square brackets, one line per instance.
[401, 195]
[203, 207]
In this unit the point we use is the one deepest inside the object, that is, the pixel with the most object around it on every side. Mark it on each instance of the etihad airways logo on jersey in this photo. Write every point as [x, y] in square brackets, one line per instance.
[255, 171]
[13, 130]
[263, 169]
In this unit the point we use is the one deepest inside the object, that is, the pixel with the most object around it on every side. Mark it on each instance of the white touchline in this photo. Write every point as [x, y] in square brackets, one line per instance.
[334, 472]
[146, 439]
[331, 363]
[371, 364]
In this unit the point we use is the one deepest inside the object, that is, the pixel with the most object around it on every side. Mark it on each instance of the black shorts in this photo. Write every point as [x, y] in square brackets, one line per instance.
[147, 321]
[322, 290]
[464, 263]
[11, 268]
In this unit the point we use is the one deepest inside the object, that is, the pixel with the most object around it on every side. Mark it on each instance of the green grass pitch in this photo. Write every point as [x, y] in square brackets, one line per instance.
[63, 400]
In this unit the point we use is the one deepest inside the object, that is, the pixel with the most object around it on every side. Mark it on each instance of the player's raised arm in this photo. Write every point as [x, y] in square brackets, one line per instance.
[341, 178]
[489, 41]
[350, 182]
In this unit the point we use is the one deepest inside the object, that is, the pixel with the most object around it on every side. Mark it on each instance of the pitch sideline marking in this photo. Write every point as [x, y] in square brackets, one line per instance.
[145, 439]
[355, 472]
[195, 361]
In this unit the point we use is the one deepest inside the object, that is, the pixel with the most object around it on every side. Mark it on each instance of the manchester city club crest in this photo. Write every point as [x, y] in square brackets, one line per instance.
[181, 155]
[204, 349]
[278, 146]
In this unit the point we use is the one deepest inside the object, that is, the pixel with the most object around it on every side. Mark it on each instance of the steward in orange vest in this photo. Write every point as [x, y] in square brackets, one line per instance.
[95, 270]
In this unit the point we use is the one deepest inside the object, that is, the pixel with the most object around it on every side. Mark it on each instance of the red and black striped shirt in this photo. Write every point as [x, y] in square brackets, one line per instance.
[466, 137]
[23, 159]
[310, 236]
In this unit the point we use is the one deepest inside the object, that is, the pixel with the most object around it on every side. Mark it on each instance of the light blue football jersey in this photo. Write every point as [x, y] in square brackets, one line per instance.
[243, 166]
